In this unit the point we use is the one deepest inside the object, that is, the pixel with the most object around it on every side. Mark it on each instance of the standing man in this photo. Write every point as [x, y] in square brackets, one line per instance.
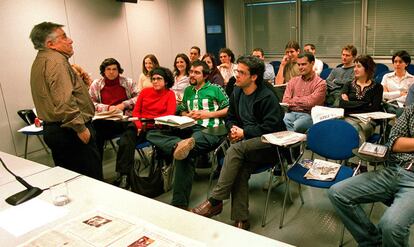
[254, 111]
[62, 101]
[318, 66]
[341, 75]
[302, 93]
[195, 54]
[207, 104]
[269, 74]
[392, 185]
[288, 67]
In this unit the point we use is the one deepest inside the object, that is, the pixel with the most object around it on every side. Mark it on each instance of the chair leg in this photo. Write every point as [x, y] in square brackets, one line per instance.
[341, 240]
[269, 190]
[210, 181]
[43, 144]
[113, 145]
[284, 204]
[25, 146]
[300, 194]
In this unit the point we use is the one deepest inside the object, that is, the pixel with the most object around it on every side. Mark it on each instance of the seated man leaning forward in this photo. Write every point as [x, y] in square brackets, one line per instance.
[205, 102]
[254, 110]
[302, 93]
[392, 185]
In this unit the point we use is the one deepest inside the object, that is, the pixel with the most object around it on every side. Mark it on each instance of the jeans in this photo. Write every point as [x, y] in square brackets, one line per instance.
[392, 183]
[298, 121]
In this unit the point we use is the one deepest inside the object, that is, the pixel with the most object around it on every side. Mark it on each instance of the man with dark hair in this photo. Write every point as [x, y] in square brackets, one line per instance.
[109, 93]
[269, 74]
[254, 110]
[302, 93]
[392, 185]
[62, 102]
[341, 75]
[207, 104]
[195, 53]
[288, 67]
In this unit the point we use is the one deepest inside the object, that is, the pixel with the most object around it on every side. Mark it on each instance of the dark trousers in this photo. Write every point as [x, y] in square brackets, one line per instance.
[107, 130]
[166, 140]
[125, 157]
[70, 152]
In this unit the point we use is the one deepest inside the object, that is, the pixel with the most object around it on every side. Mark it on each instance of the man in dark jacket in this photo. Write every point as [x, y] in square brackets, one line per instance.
[254, 110]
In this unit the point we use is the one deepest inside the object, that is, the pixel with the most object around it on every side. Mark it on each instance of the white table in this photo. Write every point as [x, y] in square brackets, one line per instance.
[20, 167]
[87, 194]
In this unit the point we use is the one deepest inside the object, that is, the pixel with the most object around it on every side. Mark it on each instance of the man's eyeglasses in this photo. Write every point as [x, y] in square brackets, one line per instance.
[241, 72]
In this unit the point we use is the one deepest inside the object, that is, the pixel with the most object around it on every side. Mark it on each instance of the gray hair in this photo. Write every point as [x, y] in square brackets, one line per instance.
[43, 32]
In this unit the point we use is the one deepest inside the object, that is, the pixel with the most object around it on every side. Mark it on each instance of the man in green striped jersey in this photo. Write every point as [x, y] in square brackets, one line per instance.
[207, 104]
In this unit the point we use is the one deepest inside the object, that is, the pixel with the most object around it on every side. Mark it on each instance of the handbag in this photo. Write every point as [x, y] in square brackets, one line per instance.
[167, 174]
[150, 186]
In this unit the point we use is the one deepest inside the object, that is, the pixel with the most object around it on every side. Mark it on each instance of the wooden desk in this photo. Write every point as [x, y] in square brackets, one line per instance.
[87, 194]
[20, 167]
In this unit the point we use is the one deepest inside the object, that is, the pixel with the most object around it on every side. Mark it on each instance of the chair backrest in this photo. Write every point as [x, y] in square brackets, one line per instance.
[275, 65]
[27, 115]
[379, 76]
[325, 73]
[379, 68]
[410, 69]
[333, 139]
[325, 66]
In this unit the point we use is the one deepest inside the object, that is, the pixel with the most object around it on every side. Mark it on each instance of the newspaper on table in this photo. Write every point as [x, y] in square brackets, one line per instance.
[283, 138]
[97, 228]
[320, 113]
[323, 170]
[366, 117]
[373, 149]
[175, 121]
[114, 114]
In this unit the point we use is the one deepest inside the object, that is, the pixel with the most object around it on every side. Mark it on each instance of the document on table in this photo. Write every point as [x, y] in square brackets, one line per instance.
[28, 216]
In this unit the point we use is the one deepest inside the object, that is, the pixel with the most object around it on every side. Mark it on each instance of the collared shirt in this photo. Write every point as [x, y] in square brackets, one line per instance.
[404, 127]
[396, 85]
[269, 73]
[210, 97]
[179, 86]
[302, 95]
[339, 77]
[59, 94]
[131, 90]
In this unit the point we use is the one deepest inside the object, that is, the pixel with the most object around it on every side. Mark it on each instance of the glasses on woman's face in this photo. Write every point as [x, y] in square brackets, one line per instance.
[157, 78]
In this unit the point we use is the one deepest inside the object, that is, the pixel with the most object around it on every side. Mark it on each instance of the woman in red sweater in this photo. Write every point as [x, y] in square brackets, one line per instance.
[152, 102]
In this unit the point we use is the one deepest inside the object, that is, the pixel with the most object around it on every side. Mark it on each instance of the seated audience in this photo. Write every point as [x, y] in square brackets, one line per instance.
[195, 54]
[254, 110]
[392, 185]
[318, 67]
[397, 83]
[155, 101]
[112, 91]
[269, 74]
[149, 63]
[340, 76]
[288, 66]
[214, 75]
[227, 66]
[181, 79]
[302, 93]
[362, 95]
[207, 104]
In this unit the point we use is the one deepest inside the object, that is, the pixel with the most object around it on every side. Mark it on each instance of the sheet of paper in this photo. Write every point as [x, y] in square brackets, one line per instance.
[30, 128]
[28, 216]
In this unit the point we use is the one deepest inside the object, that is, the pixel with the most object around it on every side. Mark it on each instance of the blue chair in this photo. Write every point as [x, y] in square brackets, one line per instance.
[28, 117]
[325, 66]
[410, 69]
[332, 139]
[325, 73]
[379, 76]
[276, 65]
[380, 68]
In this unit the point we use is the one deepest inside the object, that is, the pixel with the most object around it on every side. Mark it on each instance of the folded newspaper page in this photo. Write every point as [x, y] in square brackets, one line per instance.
[373, 149]
[114, 114]
[175, 121]
[366, 117]
[320, 113]
[323, 170]
[283, 138]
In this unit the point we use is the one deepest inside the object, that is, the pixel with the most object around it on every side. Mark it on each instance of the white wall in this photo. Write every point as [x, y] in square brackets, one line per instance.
[100, 29]
[235, 26]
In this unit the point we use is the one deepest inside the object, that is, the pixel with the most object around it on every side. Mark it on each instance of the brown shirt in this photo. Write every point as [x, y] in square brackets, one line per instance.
[59, 94]
[290, 70]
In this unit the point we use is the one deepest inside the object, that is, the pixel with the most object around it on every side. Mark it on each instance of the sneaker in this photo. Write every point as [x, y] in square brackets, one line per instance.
[183, 148]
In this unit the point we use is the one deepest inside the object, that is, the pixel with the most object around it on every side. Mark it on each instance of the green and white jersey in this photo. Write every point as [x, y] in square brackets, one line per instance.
[210, 97]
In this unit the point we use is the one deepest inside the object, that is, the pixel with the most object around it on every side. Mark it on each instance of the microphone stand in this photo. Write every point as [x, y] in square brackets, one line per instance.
[22, 196]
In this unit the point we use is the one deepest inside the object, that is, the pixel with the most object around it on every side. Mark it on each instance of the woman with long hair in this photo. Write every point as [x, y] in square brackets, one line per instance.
[149, 63]
[215, 75]
[181, 80]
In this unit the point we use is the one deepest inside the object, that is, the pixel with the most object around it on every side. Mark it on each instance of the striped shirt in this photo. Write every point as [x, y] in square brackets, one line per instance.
[210, 97]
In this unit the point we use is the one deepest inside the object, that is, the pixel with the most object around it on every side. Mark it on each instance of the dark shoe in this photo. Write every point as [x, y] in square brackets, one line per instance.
[183, 148]
[242, 224]
[207, 210]
[124, 182]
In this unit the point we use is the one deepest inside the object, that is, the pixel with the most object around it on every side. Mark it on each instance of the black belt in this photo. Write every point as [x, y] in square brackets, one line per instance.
[52, 123]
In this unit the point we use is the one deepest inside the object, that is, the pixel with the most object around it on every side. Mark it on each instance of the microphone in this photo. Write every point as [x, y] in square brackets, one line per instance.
[22, 196]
